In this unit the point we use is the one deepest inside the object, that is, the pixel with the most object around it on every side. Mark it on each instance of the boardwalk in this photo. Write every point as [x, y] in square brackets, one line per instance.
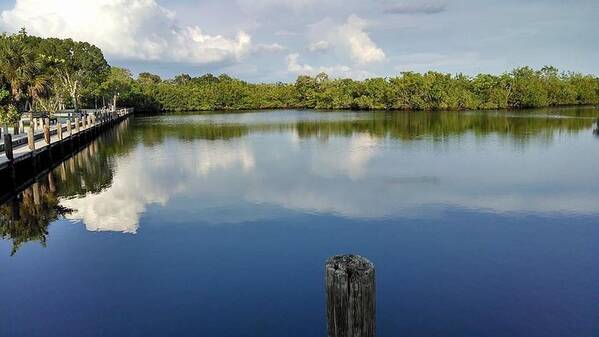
[50, 137]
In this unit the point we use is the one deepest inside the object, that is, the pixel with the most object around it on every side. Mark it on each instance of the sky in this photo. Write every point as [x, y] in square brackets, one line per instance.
[277, 40]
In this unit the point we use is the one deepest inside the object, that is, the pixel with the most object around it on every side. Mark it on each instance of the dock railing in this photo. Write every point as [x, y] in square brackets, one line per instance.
[41, 135]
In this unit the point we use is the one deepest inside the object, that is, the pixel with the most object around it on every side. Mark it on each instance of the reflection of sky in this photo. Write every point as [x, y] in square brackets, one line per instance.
[266, 175]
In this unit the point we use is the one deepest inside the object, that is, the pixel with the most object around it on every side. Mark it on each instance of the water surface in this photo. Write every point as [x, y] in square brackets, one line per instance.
[479, 224]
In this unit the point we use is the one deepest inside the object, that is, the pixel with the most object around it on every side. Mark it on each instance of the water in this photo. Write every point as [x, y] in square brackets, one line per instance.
[479, 224]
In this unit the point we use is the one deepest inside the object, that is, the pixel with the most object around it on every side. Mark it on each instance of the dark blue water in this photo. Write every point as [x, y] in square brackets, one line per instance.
[479, 224]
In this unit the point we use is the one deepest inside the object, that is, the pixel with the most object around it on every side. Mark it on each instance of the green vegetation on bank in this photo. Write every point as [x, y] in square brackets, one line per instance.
[51, 74]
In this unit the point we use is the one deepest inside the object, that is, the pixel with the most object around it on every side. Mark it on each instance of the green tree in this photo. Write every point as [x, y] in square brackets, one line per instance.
[118, 82]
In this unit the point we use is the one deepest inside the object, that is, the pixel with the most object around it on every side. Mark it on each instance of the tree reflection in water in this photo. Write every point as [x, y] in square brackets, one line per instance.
[26, 216]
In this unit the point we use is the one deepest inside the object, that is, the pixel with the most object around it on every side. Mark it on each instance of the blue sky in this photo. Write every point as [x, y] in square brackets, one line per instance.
[275, 40]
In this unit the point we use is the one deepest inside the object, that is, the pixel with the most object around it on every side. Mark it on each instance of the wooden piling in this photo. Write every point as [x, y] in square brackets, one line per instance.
[351, 296]
[47, 134]
[36, 193]
[59, 131]
[70, 127]
[77, 128]
[30, 138]
[8, 147]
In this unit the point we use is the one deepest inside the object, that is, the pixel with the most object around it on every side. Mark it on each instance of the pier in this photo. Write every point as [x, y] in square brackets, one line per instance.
[43, 143]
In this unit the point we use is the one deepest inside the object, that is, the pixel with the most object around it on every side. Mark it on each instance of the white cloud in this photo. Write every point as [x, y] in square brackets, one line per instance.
[319, 46]
[148, 177]
[351, 161]
[269, 48]
[127, 29]
[348, 39]
[362, 48]
[294, 66]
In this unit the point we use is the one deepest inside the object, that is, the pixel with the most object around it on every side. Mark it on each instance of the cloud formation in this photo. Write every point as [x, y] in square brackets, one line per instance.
[362, 48]
[147, 32]
[246, 38]
[269, 48]
[336, 71]
[319, 46]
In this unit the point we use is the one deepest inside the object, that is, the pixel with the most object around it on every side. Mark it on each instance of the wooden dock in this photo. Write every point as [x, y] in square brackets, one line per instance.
[26, 150]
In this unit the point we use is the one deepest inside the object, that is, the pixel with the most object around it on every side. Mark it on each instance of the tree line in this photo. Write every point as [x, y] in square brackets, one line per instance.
[52, 74]
[521, 88]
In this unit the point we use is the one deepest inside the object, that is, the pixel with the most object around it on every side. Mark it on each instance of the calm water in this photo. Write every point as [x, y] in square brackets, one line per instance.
[479, 224]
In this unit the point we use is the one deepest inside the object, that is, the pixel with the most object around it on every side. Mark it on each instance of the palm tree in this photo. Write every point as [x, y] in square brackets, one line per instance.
[37, 85]
[22, 71]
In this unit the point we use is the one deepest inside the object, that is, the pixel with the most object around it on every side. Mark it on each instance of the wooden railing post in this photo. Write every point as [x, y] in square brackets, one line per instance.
[77, 129]
[47, 134]
[30, 137]
[70, 127]
[8, 146]
[351, 296]
[59, 130]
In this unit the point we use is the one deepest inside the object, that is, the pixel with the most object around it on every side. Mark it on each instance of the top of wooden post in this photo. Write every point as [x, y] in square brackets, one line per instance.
[350, 264]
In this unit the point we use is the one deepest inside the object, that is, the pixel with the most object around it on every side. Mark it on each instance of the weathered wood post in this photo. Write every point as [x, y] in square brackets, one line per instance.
[36, 193]
[59, 131]
[351, 296]
[70, 127]
[47, 134]
[30, 138]
[8, 152]
[8, 146]
[51, 184]
[77, 125]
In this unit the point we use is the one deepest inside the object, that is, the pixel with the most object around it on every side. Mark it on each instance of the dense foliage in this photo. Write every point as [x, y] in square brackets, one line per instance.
[48, 74]
[521, 88]
[52, 74]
